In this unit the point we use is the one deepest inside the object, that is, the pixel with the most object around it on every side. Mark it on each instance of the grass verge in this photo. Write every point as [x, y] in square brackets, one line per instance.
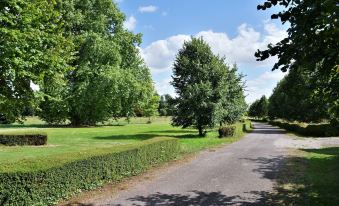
[309, 177]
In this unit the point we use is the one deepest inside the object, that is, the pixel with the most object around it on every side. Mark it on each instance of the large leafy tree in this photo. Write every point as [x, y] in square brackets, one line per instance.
[209, 92]
[33, 48]
[292, 99]
[108, 77]
[312, 43]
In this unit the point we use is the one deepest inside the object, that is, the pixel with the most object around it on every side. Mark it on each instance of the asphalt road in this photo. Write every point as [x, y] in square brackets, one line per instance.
[242, 173]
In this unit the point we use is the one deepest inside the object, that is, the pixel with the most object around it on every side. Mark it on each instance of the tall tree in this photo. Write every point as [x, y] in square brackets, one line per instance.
[205, 89]
[108, 77]
[293, 99]
[312, 43]
[32, 49]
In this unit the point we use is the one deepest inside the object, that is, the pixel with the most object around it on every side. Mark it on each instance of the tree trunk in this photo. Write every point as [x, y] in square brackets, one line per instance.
[201, 131]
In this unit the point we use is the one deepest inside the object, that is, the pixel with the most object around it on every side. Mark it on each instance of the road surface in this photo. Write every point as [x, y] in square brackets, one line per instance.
[242, 173]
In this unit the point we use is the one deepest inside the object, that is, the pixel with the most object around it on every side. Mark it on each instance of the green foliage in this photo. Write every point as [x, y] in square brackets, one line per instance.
[3, 119]
[209, 92]
[12, 139]
[311, 44]
[294, 98]
[259, 108]
[151, 107]
[32, 48]
[314, 130]
[166, 105]
[108, 75]
[45, 187]
[226, 131]
[78, 54]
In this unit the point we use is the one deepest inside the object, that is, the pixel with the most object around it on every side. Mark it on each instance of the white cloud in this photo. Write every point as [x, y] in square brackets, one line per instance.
[160, 55]
[164, 87]
[262, 85]
[130, 23]
[147, 9]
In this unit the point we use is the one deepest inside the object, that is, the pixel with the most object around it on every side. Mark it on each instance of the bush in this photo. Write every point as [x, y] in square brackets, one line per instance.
[4, 120]
[316, 130]
[23, 139]
[46, 187]
[227, 131]
[235, 130]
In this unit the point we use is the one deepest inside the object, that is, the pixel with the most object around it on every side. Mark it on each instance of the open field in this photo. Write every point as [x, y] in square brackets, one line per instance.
[67, 144]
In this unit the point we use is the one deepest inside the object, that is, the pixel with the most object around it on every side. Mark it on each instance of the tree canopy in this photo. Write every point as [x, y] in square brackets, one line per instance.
[32, 49]
[209, 91]
[293, 99]
[312, 43]
[86, 64]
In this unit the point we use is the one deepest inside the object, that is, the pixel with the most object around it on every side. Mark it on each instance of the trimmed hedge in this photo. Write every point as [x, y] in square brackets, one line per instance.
[23, 139]
[46, 187]
[235, 130]
[316, 130]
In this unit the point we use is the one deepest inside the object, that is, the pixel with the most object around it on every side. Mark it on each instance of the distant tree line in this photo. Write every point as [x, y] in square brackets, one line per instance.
[259, 108]
[293, 99]
[166, 105]
[85, 64]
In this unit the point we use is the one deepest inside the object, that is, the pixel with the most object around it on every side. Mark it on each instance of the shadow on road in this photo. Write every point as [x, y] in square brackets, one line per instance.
[195, 198]
[267, 129]
[267, 167]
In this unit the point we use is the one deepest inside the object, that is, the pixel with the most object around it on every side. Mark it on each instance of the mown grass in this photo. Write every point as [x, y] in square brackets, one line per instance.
[309, 178]
[66, 144]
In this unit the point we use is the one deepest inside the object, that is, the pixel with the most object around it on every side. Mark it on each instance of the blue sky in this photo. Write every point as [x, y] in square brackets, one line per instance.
[233, 28]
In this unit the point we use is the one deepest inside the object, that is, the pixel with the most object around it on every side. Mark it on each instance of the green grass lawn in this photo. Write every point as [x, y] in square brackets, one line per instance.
[310, 178]
[66, 144]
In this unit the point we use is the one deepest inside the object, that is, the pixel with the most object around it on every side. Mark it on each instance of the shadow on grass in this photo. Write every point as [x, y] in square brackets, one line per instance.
[327, 151]
[5, 126]
[144, 136]
[127, 137]
[174, 131]
[309, 180]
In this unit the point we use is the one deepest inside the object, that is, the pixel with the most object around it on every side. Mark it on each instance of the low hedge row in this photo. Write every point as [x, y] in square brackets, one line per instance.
[316, 130]
[235, 130]
[49, 186]
[23, 139]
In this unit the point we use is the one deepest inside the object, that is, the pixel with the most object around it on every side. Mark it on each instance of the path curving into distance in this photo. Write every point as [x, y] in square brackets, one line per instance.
[242, 173]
